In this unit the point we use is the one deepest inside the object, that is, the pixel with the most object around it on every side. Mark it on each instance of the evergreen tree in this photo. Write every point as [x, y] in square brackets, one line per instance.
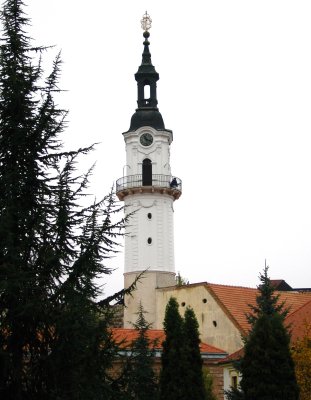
[174, 370]
[140, 376]
[195, 383]
[54, 341]
[267, 367]
[180, 280]
[182, 374]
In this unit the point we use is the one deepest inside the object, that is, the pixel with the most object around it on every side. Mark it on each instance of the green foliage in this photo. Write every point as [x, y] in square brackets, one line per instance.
[267, 367]
[301, 353]
[234, 394]
[195, 387]
[181, 376]
[180, 280]
[173, 363]
[54, 342]
[140, 377]
[208, 385]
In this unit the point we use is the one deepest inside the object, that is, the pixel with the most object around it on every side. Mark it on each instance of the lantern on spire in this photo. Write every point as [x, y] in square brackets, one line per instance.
[146, 22]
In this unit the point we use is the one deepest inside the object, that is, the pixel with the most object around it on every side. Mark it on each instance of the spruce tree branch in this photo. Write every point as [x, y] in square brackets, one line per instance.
[119, 296]
[81, 150]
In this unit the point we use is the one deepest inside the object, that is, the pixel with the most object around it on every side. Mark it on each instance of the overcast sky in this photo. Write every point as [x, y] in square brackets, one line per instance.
[235, 88]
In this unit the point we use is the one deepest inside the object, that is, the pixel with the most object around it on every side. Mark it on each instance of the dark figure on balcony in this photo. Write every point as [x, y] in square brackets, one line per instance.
[174, 183]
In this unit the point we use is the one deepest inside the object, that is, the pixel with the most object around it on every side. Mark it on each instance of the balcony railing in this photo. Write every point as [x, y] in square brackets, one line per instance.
[158, 181]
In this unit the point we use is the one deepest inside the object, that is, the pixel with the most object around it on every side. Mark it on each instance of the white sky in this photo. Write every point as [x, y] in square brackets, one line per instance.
[235, 88]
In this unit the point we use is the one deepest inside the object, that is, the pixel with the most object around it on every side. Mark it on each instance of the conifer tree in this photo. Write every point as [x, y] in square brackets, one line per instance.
[182, 374]
[140, 376]
[195, 383]
[174, 369]
[267, 368]
[54, 341]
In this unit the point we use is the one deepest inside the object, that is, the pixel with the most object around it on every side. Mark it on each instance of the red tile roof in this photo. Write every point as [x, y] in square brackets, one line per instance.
[126, 336]
[233, 357]
[298, 320]
[235, 300]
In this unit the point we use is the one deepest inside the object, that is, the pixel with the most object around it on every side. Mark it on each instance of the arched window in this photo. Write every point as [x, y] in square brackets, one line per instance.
[147, 91]
[147, 172]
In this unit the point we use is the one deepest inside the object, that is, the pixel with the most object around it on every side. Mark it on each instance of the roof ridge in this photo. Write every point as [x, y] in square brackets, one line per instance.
[213, 347]
[233, 356]
[298, 309]
[226, 310]
[126, 334]
[133, 329]
[233, 286]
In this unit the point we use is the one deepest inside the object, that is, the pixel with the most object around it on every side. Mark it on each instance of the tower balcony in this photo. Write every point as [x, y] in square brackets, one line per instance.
[155, 183]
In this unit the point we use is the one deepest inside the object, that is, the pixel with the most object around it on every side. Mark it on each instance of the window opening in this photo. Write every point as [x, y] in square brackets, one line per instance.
[149, 215]
[149, 240]
[147, 92]
[234, 382]
[147, 172]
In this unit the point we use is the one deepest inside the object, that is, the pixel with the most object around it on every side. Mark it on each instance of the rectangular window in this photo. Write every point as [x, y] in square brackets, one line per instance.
[234, 382]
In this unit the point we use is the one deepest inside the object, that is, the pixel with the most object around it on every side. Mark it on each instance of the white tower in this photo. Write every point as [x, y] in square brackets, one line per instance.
[148, 191]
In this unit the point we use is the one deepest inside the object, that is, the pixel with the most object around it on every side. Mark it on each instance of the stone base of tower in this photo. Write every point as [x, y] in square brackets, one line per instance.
[146, 294]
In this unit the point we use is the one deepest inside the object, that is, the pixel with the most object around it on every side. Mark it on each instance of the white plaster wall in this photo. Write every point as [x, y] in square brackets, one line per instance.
[227, 378]
[229, 372]
[158, 152]
[159, 255]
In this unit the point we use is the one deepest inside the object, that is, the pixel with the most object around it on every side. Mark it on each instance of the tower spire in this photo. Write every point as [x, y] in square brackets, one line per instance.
[147, 113]
[146, 25]
[148, 190]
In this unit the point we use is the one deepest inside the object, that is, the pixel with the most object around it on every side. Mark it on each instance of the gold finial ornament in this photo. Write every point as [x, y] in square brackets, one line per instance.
[146, 22]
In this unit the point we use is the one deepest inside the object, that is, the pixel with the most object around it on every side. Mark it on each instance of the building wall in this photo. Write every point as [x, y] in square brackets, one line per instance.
[215, 326]
[151, 219]
[158, 152]
[218, 379]
[215, 370]
[231, 377]
[144, 294]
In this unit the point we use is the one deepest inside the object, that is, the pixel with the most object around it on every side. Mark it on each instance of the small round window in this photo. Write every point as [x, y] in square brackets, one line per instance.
[149, 240]
[149, 215]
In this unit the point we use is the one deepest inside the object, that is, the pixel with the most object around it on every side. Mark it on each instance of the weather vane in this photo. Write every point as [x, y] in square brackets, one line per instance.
[146, 22]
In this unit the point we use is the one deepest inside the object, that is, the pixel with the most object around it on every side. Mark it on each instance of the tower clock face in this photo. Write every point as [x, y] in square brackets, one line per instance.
[146, 139]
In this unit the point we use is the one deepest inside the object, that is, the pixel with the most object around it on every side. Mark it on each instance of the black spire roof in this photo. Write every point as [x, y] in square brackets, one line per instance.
[147, 113]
